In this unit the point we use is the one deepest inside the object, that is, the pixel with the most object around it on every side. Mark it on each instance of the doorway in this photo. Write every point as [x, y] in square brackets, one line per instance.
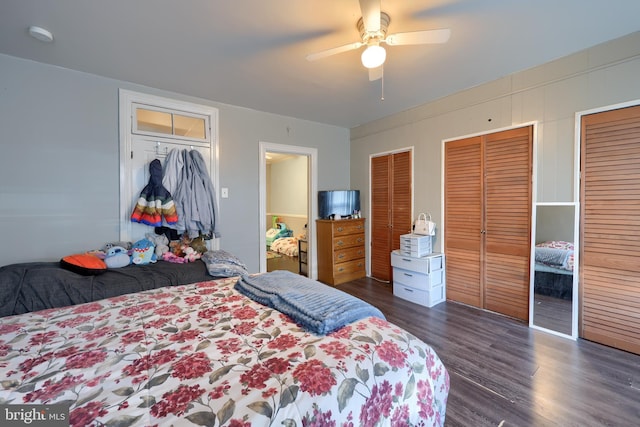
[286, 172]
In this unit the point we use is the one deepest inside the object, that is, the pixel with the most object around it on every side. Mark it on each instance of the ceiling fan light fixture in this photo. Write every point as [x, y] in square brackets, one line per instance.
[41, 34]
[373, 56]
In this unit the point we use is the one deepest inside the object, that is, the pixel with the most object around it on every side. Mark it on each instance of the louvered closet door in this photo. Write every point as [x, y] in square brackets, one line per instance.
[610, 228]
[507, 201]
[488, 220]
[463, 220]
[380, 217]
[401, 220]
[391, 190]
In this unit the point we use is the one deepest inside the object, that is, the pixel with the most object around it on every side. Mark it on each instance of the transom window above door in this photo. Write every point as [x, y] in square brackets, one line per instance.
[156, 121]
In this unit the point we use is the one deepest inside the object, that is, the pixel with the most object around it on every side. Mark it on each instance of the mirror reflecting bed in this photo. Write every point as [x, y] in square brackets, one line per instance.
[554, 268]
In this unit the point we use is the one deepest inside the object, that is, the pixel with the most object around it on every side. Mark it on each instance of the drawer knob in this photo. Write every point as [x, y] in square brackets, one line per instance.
[339, 229]
[339, 243]
[340, 256]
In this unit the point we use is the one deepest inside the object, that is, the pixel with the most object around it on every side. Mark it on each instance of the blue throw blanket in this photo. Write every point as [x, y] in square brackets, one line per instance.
[313, 305]
[553, 256]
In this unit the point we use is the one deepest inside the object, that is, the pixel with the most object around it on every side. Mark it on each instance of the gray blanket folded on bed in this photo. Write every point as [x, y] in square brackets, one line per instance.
[553, 256]
[313, 305]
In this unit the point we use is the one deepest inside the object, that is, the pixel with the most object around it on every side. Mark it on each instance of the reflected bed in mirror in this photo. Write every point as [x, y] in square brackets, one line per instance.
[554, 268]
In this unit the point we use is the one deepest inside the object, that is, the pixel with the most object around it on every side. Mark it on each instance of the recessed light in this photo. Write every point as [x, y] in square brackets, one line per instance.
[40, 34]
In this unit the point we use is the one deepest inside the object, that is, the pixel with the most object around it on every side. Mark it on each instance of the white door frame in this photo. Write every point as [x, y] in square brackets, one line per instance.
[312, 202]
[126, 99]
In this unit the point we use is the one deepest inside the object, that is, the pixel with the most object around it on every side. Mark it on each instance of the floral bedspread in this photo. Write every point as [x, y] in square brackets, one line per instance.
[205, 355]
[561, 246]
[286, 245]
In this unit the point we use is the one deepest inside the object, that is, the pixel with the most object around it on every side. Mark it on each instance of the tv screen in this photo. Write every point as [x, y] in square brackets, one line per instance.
[338, 202]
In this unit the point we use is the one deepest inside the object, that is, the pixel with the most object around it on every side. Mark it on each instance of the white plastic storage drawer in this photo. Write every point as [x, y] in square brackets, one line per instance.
[423, 297]
[415, 245]
[418, 280]
[425, 264]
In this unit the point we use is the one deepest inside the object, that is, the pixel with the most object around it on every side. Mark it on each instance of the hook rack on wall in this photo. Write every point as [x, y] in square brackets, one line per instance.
[159, 152]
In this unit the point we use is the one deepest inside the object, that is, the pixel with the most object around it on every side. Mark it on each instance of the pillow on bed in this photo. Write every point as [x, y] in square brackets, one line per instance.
[223, 264]
[85, 264]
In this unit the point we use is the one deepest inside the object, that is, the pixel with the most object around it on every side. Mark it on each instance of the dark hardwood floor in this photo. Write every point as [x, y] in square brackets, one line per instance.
[505, 374]
[283, 262]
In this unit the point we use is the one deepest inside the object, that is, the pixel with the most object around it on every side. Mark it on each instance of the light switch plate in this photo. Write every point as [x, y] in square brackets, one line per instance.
[224, 193]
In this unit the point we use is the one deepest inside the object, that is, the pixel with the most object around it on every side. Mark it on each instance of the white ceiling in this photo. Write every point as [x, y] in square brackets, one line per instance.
[251, 53]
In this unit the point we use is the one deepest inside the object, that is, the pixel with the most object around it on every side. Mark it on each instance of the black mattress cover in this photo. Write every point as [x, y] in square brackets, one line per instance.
[36, 286]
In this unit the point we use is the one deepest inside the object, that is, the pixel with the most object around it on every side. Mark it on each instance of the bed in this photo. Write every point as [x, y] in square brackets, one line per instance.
[279, 230]
[285, 246]
[554, 262]
[207, 354]
[27, 287]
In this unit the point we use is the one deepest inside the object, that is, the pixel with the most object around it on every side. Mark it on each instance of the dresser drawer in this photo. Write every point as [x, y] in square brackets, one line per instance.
[348, 254]
[418, 280]
[348, 267]
[348, 241]
[423, 297]
[347, 227]
[424, 264]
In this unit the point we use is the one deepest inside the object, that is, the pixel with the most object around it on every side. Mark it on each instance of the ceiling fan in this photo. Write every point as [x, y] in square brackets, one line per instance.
[373, 31]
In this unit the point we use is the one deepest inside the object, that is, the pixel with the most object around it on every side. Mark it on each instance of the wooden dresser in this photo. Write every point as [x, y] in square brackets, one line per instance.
[341, 251]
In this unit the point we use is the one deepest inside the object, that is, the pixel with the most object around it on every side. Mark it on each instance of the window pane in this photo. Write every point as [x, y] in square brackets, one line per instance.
[153, 121]
[190, 127]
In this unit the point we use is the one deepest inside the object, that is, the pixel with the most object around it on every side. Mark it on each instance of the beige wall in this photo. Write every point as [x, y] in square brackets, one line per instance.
[549, 94]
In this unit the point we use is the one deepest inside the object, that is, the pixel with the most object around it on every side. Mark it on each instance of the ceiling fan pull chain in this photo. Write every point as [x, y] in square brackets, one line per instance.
[382, 86]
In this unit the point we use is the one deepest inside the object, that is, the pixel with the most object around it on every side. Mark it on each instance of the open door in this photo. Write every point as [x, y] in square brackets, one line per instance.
[310, 154]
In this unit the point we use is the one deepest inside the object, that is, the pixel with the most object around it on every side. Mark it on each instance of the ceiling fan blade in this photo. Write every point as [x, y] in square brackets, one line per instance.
[375, 73]
[419, 37]
[334, 51]
[370, 15]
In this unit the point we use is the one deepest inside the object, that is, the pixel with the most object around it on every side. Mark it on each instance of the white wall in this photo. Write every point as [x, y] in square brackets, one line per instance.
[550, 94]
[288, 186]
[59, 169]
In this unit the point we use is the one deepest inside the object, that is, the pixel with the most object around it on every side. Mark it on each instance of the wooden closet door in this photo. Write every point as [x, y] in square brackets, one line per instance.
[488, 220]
[463, 189]
[507, 224]
[401, 221]
[380, 217]
[391, 191]
[610, 228]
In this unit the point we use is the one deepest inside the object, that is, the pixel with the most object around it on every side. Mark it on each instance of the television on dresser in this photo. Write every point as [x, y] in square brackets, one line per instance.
[338, 202]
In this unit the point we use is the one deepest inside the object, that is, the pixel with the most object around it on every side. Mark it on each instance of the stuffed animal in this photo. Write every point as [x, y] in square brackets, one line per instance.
[117, 257]
[161, 243]
[143, 252]
[199, 244]
[107, 246]
[171, 257]
[176, 248]
[191, 254]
